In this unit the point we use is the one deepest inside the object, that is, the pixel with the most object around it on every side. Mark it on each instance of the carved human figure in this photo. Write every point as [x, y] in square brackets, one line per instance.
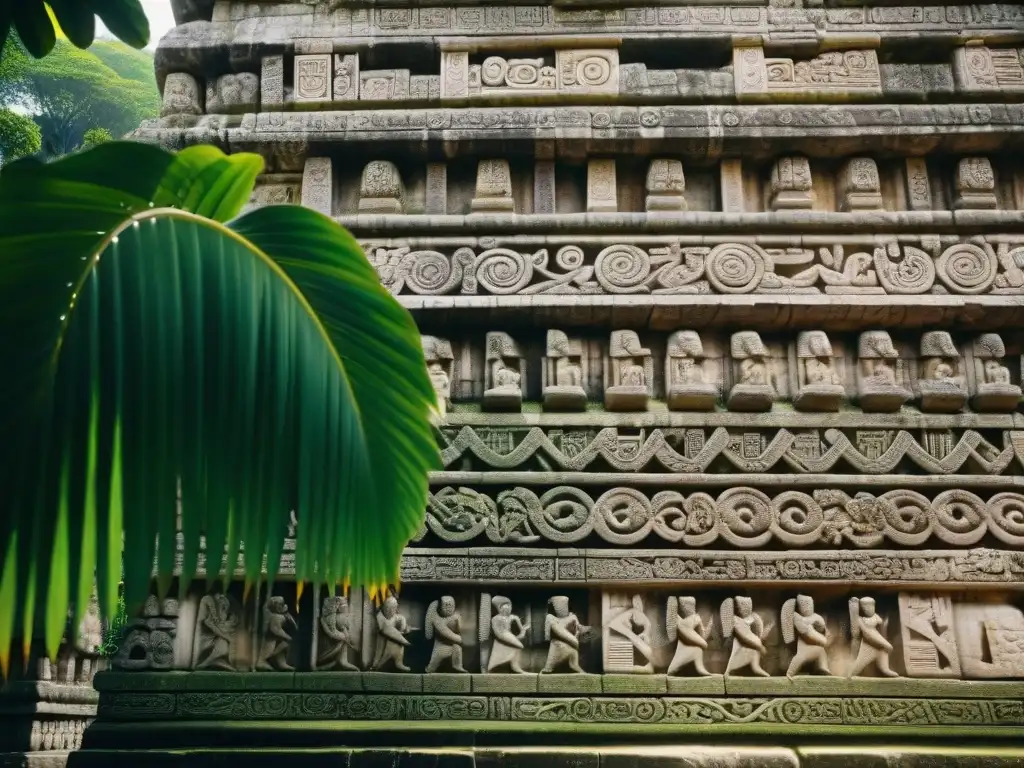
[438, 355]
[444, 627]
[563, 631]
[820, 388]
[994, 391]
[684, 623]
[563, 373]
[335, 636]
[755, 387]
[504, 381]
[807, 628]
[628, 644]
[941, 391]
[868, 627]
[878, 387]
[214, 643]
[276, 641]
[748, 632]
[509, 633]
[686, 384]
[392, 628]
[629, 373]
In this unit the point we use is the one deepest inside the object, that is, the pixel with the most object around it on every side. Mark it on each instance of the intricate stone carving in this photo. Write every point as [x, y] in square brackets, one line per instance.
[493, 188]
[879, 380]
[748, 632]
[994, 391]
[801, 624]
[564, 633]
[440, 362]
[275, 641]
[313, 77]
[506, 374]
[384, 84]
[181, 96]
[601, 187]
[686, 384]
[941, 386]
[975, 184]
[990, 638]
[216, 624]
[665, 186]
[318, 185]
[820, 386]
[754, 389]
[792, 184]
[627, 635]
[929, 638]
[233, 93]
[629, 375]
[454, 74]
[564, 373]
[587, 71]
[684, 624]
[520, 76]
[918, 185]
[731, 180]
[336, 636]
[444, 626]
[978, 68]
[508, 631]
[272, 82]
[437, 189]
[860, 188]
[148, 641]
[391, 641]
[346, 77]
[381, 189]
[835, 73]
[869, 628]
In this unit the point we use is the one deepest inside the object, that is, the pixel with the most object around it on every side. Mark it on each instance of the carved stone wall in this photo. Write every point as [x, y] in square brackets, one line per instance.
[722, 307]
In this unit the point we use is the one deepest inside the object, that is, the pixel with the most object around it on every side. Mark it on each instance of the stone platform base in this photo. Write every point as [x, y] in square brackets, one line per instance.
[675, 756]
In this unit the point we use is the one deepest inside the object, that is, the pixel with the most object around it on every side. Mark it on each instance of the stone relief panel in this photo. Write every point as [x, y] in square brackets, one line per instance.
[835, 74]
[313, 78]
[852, 265]
[233, 93]
[980, 69]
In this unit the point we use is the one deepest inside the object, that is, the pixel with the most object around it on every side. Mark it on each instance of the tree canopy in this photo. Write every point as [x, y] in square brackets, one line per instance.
[19, 136]
[109, 86]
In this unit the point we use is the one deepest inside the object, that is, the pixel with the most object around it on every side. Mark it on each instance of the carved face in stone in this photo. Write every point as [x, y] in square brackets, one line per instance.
[447, 606]
[744, 607]
[560, 606]
[687, 605]
[867, 607]
[804, 605]
[278, 605]
[390, 607]
[342, 604]
[638, 604]
[505, 608]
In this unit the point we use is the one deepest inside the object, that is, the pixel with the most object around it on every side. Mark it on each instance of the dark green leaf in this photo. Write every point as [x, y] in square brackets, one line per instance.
[34, 26]
[125, 19]
[76, 20]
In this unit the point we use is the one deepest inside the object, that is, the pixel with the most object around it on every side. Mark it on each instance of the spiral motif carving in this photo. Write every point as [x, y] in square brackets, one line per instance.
[431, 272]
[907, 516]
[523, 74]
[493, 71]
[966, 268]
[503, 271]
[564, 515]
[735, 268]
[797, 518]
[622, 268]
[913, 274]
[1006, 519]
[623, 516]
[569, 257]
[745, 516]
[592, 71]
[962, 514]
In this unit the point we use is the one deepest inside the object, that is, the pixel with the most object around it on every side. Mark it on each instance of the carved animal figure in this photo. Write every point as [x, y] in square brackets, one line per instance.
[801, 623]
[868, 627]
[444, 627]
[684, 623]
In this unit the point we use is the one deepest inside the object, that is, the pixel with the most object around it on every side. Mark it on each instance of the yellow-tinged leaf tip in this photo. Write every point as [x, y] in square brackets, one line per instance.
[298, 594]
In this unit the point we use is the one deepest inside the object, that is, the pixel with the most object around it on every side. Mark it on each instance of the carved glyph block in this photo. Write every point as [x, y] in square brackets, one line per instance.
[602, 193]
[918, 185]
[629, 373]
[317, 185]
[820, 386]
[384, 84]
[941, 381]
[233, 93]
[454, 74]
[564, 373]
[731, 171]
[979, 68]
[505, 376]
[928, 628]
[690, 383]
[313, 77]
[754, 388]
[381, 189]
[493, 188]
[666, 186]
[833, 74]
[272, 82]
[993, 389]
[181, 95]
[587, 71]
[626, 633]
[437, 188]
[880, 374]
[792, 184]
[544, 190]
[498, 74]
[346, 77]
[975, 184]
[860, 188]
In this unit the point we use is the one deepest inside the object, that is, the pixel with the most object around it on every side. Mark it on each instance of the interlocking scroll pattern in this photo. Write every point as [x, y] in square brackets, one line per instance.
[744, 517]
[880, 452]
[965, 268]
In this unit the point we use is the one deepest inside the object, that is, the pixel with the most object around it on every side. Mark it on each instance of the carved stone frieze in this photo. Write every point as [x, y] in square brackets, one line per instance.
[980, 69]
[835, 74]
[313, 80]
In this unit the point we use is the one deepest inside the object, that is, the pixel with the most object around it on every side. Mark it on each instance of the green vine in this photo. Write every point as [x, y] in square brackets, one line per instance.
[115, 628]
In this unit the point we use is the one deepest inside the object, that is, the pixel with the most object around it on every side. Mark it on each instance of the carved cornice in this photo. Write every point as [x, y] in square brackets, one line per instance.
[740, 516]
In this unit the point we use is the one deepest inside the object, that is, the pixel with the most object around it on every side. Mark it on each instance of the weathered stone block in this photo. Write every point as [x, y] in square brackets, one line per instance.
[313, 77]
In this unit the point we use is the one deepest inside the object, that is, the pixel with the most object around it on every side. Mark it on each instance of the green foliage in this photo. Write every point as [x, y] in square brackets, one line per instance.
[257, 364]
[95, 136]
[19, 136]
[40, 27]
[114, 630]
[72, 90]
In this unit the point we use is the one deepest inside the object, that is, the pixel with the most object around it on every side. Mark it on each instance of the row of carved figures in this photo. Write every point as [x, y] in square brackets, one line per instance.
[692, 377]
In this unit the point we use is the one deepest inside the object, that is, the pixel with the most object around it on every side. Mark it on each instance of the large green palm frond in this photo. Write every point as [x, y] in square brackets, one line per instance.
[253, 366]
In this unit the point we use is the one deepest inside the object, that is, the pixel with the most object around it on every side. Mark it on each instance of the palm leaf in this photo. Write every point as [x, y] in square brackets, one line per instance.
[254, 368]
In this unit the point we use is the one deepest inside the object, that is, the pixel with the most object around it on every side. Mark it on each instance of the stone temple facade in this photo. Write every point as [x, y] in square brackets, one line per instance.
[723, 306]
